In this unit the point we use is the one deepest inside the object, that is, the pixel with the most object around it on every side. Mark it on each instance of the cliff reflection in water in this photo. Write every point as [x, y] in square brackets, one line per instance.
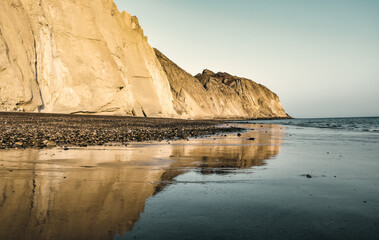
[97, 193]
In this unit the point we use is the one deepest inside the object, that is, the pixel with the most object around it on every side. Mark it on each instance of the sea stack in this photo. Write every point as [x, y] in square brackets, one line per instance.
[86, 57]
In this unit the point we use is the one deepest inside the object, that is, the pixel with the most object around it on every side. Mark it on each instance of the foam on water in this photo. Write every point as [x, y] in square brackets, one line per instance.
[363, 124]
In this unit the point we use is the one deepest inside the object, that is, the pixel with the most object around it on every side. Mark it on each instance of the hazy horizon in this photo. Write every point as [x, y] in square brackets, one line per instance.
[321, 58]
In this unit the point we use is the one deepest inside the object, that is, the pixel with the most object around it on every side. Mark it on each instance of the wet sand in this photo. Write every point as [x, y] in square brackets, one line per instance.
[35, 130]
[218, 187]
[100, 192]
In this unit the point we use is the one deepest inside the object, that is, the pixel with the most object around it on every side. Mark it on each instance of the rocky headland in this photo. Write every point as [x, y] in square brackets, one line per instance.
[221, 95]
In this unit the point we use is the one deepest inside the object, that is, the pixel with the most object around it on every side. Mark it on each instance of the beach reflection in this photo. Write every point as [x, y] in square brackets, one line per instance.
[98, 193]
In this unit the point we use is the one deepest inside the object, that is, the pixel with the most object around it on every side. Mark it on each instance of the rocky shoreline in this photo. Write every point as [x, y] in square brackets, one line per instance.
[36, 130]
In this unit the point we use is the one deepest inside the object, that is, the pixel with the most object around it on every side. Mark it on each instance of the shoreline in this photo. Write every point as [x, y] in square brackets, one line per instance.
[141, 117]
[326, 176]
[36, 130]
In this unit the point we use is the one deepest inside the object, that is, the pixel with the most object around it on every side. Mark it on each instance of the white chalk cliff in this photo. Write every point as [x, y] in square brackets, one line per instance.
[84, 56]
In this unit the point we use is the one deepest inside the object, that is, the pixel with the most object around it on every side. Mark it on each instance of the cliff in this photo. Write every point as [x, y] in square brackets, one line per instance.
[78, 57]
[221, 95]
[85, 56]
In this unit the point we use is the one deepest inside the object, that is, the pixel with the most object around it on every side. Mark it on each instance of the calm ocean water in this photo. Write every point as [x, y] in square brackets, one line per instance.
[275, 199]
[362, 124]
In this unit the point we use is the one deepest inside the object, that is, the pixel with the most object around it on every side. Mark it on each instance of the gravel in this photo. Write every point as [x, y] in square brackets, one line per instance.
[36, 130]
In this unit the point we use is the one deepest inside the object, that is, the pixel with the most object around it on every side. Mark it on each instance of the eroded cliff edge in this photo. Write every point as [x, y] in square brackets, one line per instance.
[219, 95]
[85, 56]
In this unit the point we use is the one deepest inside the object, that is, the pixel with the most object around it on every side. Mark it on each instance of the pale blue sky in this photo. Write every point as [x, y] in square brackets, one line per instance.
[321, 57]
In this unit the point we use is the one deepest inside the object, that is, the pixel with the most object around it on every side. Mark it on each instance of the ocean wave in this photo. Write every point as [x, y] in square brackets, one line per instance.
[367, 124]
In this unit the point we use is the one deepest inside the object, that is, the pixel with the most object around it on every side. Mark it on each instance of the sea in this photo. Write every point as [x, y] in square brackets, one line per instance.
[362, 124]
[298, 179]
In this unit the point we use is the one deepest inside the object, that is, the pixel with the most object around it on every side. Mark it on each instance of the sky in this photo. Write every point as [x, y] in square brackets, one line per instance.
[320, 57]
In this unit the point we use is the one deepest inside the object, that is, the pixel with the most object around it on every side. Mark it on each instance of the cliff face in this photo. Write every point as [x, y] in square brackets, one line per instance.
[84, 56]
[221, 95]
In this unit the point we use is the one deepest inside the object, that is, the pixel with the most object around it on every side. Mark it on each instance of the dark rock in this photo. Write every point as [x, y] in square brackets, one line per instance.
[251, 139]
[309, 176]
[208, 72]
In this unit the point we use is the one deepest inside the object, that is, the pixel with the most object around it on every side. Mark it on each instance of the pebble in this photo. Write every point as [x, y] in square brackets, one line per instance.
[34, 130]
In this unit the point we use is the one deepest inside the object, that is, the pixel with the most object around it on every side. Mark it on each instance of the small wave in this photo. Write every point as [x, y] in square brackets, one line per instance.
[370, 124]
